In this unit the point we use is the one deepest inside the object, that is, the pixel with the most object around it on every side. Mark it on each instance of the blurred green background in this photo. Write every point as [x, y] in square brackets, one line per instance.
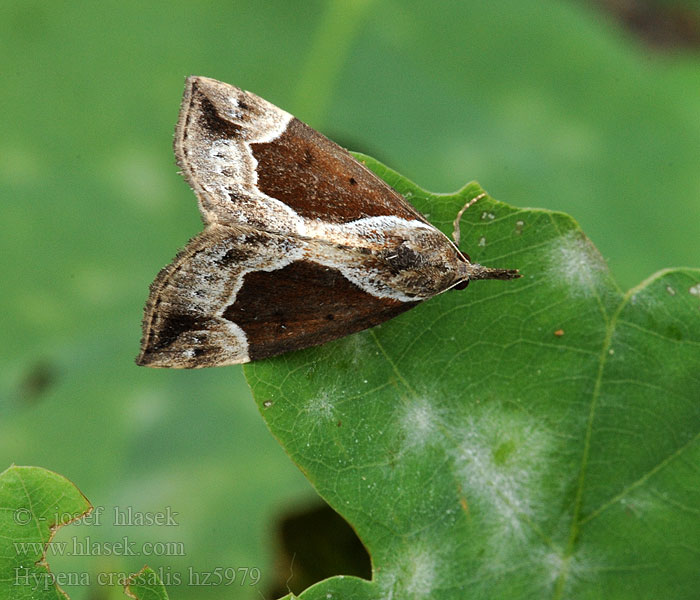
[554, 104]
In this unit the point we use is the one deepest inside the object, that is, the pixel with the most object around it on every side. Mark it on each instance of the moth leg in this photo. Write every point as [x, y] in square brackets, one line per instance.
[455, 232]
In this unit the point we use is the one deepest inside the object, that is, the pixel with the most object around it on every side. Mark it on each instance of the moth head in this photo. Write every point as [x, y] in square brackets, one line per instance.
[422, 264]
[441, 266]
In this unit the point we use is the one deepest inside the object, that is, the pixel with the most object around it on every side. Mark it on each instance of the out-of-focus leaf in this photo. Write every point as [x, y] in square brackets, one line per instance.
[34, 502]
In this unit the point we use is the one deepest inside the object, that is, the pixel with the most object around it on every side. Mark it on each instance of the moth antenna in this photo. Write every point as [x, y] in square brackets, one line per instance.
[475, 271]
[455, 231]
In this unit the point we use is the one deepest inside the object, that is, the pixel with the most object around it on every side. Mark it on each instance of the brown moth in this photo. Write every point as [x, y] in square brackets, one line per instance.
[302, 243]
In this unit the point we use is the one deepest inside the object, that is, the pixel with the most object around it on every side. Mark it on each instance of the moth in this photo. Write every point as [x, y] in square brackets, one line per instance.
[302, 243]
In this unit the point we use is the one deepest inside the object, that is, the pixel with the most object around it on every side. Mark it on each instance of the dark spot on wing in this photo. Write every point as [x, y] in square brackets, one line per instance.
[234, 256]
[217, 126]
[175, 324]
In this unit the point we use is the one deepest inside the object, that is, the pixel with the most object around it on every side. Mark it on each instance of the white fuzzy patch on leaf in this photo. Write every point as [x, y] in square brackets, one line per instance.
[575, 263]
[415, 577]
[420, 422]
[321, 407]
[501, 463]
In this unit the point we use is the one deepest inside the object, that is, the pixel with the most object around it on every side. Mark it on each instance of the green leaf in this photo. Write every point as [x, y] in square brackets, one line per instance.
[145, 585]
[537, 438]
[34, 502]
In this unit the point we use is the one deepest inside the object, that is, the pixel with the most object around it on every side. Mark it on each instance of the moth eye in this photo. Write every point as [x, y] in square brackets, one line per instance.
[330, 317]
[461, 285]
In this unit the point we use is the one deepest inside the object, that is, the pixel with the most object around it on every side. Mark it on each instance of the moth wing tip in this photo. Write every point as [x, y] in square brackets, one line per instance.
[142, 360]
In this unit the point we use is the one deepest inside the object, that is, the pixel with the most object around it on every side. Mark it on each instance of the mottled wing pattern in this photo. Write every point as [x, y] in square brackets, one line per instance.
[253, 164]
[239, 294]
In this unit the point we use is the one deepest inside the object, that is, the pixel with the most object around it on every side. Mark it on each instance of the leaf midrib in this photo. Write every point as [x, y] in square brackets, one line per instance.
[576, 522]
[595, 395]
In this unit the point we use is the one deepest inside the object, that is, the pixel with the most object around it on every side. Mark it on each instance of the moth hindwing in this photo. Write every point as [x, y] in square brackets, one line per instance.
[302, 243]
